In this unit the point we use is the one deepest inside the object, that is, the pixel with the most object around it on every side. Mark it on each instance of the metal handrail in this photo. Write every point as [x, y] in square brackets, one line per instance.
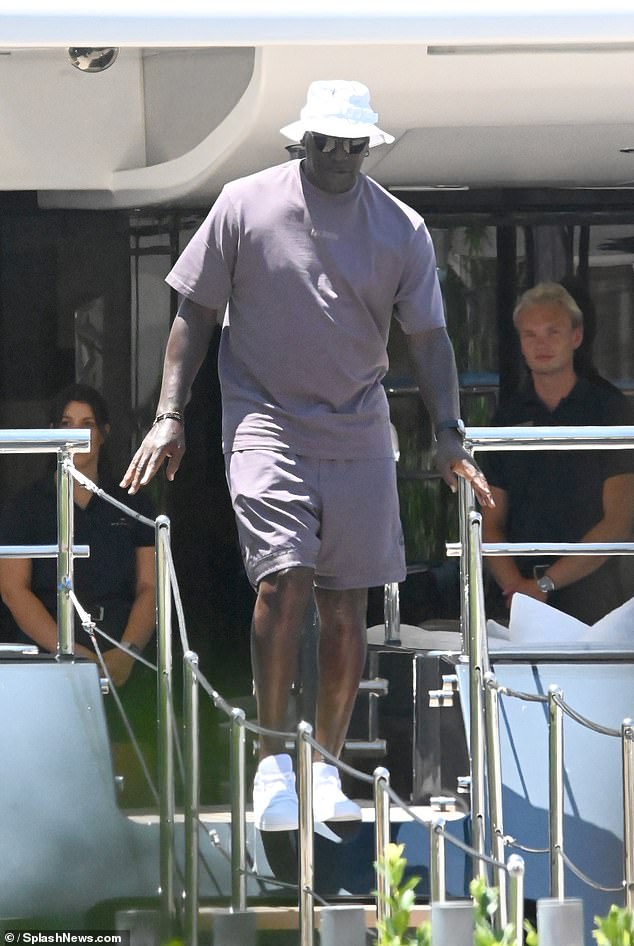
[548, 548]
[557, 709]
[627, 744]
[485, 743]
[65, 533]
[471, 549]
[494, 785]
[608, 437]
[192, 796]
[382, 795]
[474, 633]
[165, 731]
[41, 551]
[512, 869]
[556, 792]
[45, 440]
[479, 667]
[64, 443]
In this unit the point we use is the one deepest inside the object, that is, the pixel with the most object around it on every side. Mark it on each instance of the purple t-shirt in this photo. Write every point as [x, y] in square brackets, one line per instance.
[310, 281]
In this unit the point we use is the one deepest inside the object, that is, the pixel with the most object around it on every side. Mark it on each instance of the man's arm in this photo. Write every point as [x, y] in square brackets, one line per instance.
[437, 379]
[503, 567]
[141, 620]
[615, 526]
[27, 609]
[186, 349]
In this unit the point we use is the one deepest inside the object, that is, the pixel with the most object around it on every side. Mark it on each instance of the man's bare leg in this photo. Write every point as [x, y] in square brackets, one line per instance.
[277, 622]
[275, 636]
[275, 633]
[342, 650]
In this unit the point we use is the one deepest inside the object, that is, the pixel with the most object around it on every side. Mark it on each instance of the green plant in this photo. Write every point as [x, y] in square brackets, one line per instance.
[395, 930]
[399, 900]
[486, 901]
[615, 929]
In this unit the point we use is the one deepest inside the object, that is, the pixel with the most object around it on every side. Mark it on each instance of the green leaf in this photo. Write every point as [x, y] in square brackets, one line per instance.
[615, 929]
[531, 934]
[423, 934]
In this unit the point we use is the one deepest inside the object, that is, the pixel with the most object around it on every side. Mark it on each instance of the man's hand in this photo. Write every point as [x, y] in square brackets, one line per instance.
[187, 346]
[524, 586]
[164, 441]
[119, 665]
[453, 460]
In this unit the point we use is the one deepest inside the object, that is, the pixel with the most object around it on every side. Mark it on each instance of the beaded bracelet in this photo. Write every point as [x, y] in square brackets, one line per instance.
[168, 415]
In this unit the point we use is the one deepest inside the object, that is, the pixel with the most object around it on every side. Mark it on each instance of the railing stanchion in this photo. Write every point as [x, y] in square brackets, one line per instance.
[515, 866]
[165, 724]
[391, 613]
[478, 666]
[381, 838]
[306, 836]
[627, 745]
[556, 792]
[494, 784]
[192, 796]
[466, 502]
[65, 532]
[238, 812]
[437, 881]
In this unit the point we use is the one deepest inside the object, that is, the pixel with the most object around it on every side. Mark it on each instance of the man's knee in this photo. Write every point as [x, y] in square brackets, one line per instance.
[288, 589]
[293, 578]
[343, 609]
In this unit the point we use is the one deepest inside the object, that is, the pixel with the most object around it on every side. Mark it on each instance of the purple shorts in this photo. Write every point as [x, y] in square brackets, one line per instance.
[338, 517]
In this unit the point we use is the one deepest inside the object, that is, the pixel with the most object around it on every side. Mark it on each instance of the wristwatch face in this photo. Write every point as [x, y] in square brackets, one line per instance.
[545, 584]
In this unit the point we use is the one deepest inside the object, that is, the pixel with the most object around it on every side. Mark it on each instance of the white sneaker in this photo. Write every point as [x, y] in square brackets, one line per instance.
[275, 806]
[329, 802]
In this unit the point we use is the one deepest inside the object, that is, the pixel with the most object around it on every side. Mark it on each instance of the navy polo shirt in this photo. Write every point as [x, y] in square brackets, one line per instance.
[556, 495]
[106, 579]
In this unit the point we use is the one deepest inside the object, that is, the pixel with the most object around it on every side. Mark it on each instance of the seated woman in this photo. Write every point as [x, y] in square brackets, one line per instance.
[116, 584]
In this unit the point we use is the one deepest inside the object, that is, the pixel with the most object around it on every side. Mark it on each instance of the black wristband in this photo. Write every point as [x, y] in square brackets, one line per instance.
[133, 648]
[168, 415]
[453, 424]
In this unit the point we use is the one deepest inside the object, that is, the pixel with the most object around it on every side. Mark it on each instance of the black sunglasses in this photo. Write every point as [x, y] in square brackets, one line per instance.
[327, 143]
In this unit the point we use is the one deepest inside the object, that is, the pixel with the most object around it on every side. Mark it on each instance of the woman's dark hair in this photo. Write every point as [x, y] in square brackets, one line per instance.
[85, 395]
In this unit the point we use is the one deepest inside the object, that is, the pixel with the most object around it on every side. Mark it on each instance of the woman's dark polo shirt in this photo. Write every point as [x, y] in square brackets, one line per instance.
[107, 579]
[556, 495]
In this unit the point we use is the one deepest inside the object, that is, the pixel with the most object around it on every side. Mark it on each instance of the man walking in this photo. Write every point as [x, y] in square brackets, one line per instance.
[310, 259]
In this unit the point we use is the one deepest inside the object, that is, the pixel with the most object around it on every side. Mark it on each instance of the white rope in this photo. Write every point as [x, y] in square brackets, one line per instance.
[93, 488]
[90, 627]
[87, 623]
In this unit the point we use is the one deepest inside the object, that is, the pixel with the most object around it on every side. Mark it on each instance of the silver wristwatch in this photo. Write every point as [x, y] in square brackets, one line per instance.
[546, 584]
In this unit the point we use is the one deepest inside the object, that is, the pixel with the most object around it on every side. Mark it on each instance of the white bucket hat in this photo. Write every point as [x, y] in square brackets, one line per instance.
[339, 108]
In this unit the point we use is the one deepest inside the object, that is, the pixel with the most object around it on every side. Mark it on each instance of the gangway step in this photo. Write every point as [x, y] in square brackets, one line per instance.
[287, 917]
[221, 815]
